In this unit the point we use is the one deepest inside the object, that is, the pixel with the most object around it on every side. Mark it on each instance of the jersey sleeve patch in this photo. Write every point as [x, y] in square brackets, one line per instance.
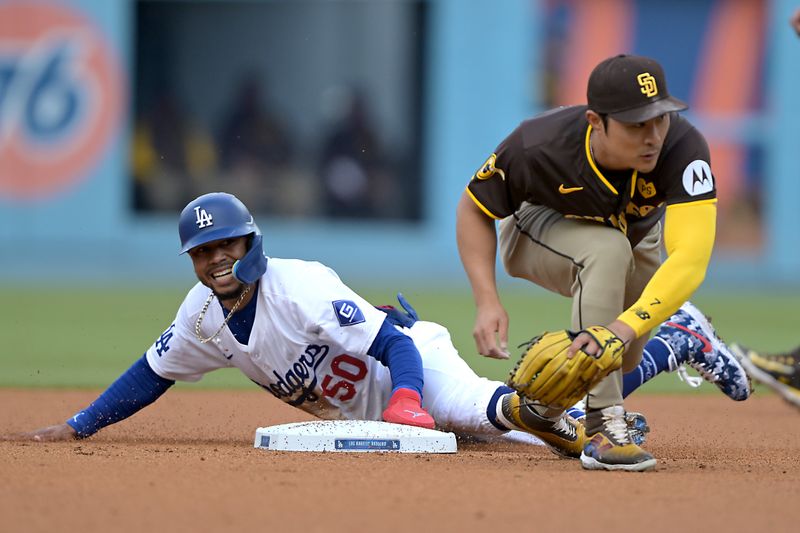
[697, 178]
[347, 312]
[489, 169]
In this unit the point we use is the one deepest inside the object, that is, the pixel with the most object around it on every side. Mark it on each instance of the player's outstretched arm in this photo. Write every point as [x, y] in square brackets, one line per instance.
[400, 355]
[138, 387]
[59, 432]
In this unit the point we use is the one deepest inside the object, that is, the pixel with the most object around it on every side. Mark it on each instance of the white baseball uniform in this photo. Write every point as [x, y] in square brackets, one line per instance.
[308, 347]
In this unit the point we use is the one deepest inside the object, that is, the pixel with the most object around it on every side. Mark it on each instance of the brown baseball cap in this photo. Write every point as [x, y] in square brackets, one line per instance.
[630, 89]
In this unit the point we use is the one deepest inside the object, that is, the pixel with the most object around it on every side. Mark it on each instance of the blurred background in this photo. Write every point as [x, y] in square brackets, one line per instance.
[350, 128]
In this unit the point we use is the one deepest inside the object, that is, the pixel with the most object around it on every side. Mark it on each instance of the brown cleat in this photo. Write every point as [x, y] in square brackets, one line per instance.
[561, 433]
[609, 445]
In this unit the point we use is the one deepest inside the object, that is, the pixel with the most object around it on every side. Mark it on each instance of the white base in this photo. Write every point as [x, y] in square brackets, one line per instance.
[353, 436]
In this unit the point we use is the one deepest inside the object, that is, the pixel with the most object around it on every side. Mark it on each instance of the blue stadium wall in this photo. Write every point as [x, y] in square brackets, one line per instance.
[71, 223]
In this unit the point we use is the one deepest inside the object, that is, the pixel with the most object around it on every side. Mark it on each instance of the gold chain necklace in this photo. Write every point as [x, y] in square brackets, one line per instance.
[224, 322]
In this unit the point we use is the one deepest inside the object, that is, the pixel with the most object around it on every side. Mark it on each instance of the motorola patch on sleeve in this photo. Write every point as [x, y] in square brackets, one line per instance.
[697, 178]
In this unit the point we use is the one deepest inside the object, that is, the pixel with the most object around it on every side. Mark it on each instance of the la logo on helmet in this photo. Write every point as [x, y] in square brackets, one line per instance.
[204, 218]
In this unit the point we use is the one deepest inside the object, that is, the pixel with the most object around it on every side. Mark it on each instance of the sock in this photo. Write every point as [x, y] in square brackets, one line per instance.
[655, 359]
[494, 411]
[576, 413]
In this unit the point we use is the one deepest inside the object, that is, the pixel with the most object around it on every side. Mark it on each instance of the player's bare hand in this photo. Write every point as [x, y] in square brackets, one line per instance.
[587, 343]
[794, 20]
[59, 432]
[491, 332]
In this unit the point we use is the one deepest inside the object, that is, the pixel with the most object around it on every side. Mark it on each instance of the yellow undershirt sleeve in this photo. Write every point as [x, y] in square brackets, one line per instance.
[689, 231]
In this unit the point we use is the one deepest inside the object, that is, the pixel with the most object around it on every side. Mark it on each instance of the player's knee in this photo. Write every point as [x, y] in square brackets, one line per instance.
[610, 251]
[514, 267]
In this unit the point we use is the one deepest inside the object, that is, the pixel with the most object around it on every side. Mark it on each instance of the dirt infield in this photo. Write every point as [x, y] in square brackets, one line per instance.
[187, 464]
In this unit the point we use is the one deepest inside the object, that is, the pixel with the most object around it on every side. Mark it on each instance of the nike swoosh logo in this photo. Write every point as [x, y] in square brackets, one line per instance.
[706, 345]
[567, 190]
[414, 414]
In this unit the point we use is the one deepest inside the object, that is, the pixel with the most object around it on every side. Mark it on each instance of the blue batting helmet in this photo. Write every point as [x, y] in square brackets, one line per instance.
[220, 215]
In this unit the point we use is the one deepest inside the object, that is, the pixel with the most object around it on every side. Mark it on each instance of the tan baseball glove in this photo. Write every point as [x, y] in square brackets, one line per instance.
[545, 376]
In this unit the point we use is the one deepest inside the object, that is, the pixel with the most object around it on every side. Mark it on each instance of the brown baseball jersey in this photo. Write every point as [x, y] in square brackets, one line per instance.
[547, 161]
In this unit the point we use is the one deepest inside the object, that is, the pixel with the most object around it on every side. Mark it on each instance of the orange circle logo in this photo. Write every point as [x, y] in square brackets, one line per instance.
[60, 98]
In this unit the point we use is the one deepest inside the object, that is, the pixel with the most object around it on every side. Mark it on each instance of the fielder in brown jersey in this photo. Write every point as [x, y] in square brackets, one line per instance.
[581, 193]
[562, 174]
